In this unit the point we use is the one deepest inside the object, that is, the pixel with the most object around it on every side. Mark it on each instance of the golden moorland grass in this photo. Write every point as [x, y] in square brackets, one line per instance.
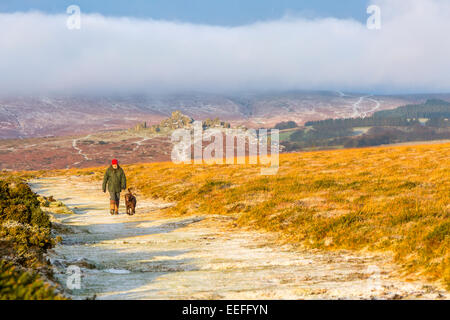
[382, 199]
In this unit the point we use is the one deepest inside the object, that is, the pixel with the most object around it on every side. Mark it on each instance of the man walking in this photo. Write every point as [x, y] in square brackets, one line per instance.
[116, 181]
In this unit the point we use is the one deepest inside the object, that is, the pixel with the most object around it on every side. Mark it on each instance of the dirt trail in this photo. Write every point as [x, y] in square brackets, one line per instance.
[154, 256]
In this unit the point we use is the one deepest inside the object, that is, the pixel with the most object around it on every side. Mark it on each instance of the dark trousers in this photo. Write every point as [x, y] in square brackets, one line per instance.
[114, 196]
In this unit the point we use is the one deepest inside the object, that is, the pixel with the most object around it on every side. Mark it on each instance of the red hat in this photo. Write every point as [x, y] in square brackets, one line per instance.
[114, 161]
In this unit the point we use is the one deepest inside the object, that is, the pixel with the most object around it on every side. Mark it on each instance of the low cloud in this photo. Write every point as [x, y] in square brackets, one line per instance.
[38, 54]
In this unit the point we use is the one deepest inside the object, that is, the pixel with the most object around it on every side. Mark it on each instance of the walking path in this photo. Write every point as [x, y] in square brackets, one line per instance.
[155, 256]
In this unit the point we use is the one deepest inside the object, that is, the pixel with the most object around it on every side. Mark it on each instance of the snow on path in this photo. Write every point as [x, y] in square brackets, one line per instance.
[155, 256]
[377, 106]
[342, 94]
[139, 143]
[358, 113]
[74, 145]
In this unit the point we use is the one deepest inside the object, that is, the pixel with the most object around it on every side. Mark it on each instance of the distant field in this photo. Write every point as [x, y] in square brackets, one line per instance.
[285, 134]
[83, 151]
[393, 199]
[361, 130]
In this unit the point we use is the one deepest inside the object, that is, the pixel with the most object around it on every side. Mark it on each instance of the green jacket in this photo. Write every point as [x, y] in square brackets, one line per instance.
[115, 179]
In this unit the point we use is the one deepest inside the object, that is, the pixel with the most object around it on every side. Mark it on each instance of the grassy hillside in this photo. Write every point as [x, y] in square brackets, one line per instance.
[382, 199]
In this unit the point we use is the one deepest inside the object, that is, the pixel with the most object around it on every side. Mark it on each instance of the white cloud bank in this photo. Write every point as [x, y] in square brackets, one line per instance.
[411, 53]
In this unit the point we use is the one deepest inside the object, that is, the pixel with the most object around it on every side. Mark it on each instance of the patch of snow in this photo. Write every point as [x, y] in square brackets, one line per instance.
[117, 271]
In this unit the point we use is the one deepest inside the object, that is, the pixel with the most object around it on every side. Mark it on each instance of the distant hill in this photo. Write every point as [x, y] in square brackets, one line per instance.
[39, 116]
[420, 122]
[401, 116]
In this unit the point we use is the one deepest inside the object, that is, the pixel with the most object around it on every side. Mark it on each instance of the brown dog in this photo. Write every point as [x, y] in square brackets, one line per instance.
[130, 203]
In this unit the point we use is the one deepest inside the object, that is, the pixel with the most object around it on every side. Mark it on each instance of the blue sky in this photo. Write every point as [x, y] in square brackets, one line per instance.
[214, 12]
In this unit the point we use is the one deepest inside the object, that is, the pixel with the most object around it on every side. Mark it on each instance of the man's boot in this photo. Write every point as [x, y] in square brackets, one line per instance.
[112, 205]
[117, 207]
